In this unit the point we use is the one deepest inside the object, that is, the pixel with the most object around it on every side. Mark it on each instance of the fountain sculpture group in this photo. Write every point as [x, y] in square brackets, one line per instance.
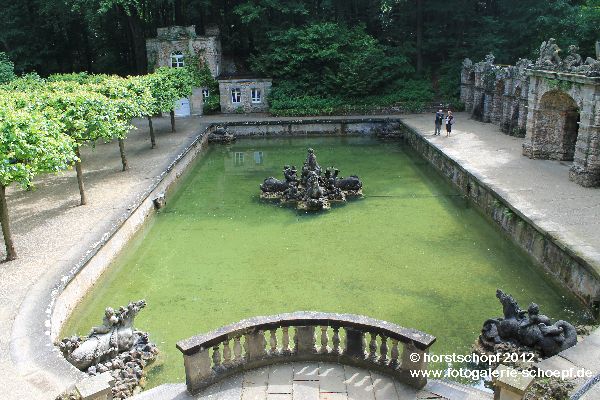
[526, 330]
[114, 347]
[314, 190]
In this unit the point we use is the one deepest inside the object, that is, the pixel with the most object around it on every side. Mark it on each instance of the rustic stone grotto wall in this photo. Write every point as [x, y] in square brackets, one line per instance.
[553, 102]
[496, 94]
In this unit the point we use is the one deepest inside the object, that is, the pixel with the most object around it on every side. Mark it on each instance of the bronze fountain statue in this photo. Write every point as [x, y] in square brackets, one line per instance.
[314, 190]
[528, 329]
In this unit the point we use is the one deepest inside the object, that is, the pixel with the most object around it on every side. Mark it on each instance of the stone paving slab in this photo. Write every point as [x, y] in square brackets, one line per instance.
[290, 382]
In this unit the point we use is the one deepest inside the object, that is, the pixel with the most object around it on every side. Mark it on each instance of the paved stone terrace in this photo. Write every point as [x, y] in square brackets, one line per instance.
[539, 189]
[314, 381]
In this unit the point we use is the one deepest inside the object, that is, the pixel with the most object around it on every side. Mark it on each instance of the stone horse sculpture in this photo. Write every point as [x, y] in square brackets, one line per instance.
[114, 336]
[527, 328]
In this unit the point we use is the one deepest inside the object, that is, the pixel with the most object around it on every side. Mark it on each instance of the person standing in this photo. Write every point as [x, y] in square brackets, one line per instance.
[439, 119]
[449, 123]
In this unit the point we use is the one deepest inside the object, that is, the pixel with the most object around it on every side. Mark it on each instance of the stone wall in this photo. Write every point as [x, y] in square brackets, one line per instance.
[557, 259]
[245, 86]
[184, 40]
[316, 126]
[496, 94]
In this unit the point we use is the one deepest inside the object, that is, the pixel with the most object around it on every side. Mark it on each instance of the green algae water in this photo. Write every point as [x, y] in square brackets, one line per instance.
[411, 251]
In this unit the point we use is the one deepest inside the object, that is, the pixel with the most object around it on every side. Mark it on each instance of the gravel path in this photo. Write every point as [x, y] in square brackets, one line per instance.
[51, 230]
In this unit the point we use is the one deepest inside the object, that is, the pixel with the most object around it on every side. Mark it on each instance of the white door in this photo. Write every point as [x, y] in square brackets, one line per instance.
[182, 107]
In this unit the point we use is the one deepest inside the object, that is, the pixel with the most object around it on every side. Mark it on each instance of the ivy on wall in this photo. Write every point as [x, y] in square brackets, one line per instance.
[565, 86]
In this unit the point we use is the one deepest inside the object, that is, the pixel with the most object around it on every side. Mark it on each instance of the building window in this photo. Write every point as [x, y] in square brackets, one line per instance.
[205, 93]
[256, 95]
[236, 96]
[258, 157]
[177, 59]
[239, 158]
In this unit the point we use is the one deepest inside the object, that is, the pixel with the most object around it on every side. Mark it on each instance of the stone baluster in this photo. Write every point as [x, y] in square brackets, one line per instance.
[355, 343]
[226, 354]
[383, 350]
[373, 347]
[296, 340]
[324, 340]
[255, 342]
[216, 357]
[305, 340]
[285, 340]
[273, 342]
[336, 340]
[197, 369]
[395, 353]
[237, 349]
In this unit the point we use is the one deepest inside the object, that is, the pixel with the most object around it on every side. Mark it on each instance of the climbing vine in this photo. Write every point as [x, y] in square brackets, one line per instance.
[565, 86]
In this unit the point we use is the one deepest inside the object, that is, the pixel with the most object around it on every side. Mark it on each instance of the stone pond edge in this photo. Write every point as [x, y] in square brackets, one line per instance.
[578, 272]
[58, 303]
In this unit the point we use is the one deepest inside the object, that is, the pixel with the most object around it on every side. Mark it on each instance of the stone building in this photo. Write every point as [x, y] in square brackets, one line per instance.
[240, 94]
[173, 43]
[553, 103]
[173, 46]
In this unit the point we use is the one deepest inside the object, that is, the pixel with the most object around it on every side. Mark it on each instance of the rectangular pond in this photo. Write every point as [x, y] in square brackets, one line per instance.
[412, 251]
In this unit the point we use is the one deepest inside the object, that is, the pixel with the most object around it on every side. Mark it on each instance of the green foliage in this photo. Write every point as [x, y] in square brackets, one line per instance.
[87, 116]
[167, 85]
[565, 86]
[327, 59]
[212, 104]
[7, 69]
[31, 143]
[202, 77]
[406, 95]
[27, 82]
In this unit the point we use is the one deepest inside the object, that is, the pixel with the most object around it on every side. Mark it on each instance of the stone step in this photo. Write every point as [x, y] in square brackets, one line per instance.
[456, 391]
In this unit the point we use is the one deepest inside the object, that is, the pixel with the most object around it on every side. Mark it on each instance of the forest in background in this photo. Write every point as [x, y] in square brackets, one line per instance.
[322, 51]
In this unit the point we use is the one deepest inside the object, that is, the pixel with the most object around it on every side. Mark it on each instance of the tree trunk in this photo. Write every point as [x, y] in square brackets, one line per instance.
[11, 253]
[152, 137]
[172, 120]
[123, 156]
[136, 38]
[419, 36]
[179, 14]
[80, 177]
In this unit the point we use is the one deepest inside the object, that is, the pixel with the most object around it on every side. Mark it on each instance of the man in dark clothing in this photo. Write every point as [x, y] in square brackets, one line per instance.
[439, 119]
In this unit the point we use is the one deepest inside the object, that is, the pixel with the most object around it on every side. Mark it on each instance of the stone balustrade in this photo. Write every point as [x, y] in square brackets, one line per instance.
[305, 336]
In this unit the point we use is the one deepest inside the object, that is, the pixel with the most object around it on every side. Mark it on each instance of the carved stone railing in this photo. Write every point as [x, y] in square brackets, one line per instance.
[306, 336]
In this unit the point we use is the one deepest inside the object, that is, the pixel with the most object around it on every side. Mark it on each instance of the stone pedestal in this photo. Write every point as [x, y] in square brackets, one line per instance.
[97, 387]
[510, 384]
[198, 368]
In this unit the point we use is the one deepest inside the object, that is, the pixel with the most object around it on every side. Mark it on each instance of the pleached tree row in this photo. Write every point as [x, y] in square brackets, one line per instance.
[45, 122]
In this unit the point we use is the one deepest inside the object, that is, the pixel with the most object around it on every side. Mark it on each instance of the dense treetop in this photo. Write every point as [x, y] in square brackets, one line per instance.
[108, 36]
